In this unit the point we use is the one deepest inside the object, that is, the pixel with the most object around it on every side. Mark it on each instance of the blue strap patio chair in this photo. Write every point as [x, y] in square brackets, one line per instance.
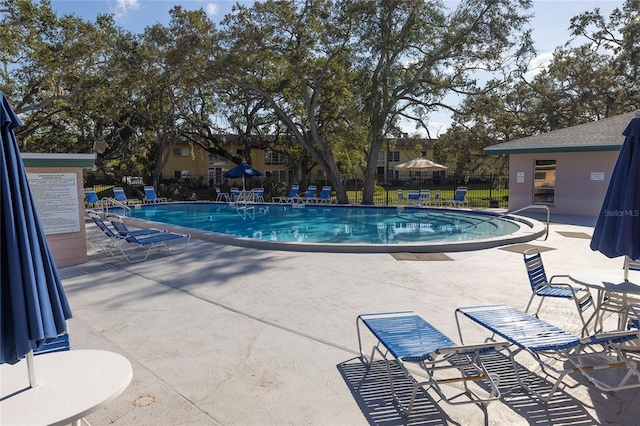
[131, 244]
[150, 196]
[425, 197]
[121, 197]
[222, 196]
[436, 200]
[258, 195]
[413, 198]
[404, 338]
[307, 196]
[553, 347]
[59, 344]
[543, 288]
[459, 197]
[401, 198]
[289, 198]
[105, 236]
[234, 194]
[323, 198]
[91, 199]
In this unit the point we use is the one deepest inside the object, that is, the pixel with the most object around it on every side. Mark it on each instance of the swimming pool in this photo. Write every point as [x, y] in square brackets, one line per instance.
[341, 228]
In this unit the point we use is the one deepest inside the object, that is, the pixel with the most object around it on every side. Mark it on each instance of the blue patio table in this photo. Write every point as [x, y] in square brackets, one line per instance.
[71, 384]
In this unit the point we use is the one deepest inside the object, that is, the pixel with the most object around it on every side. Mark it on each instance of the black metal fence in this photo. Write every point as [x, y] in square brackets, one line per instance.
[483, 190]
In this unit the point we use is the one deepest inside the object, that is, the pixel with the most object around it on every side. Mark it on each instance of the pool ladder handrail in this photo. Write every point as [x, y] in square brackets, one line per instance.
[532, 206]
[108, 201]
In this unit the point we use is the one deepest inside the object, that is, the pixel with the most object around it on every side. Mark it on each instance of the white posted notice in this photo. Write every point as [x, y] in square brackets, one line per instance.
[56, 198]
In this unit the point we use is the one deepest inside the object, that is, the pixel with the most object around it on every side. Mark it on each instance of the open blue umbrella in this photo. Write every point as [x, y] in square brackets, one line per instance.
[242, 170]
[34, 307]
[617, 230]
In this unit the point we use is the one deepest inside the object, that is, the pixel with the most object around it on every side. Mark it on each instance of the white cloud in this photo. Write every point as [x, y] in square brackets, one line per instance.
[211, 9]
[124, 6]
[539, 63]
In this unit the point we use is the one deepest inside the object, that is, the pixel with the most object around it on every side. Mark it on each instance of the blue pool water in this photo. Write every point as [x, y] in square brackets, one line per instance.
[331, 224]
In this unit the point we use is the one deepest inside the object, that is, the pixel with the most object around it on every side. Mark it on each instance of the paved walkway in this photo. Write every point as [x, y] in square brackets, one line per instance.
[222, 335]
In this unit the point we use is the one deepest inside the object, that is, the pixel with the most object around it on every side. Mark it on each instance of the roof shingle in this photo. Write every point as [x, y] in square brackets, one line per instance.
[601, 135]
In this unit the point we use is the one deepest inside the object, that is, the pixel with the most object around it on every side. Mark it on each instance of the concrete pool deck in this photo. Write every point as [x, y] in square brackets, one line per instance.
[224, 335]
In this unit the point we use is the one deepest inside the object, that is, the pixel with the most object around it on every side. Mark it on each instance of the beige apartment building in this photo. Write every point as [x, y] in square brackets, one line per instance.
[188, 160]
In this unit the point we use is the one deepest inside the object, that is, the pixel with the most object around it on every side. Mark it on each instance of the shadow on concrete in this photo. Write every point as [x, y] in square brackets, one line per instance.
[372, 393]
[562, 409]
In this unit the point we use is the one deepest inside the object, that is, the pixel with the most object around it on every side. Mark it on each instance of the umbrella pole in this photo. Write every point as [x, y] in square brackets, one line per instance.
[30, 368]
[626, 268]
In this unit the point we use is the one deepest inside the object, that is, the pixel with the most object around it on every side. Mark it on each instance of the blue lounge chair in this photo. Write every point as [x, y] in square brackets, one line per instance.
[323, 198]
[405, 338]
[435, 200]
[121, 197]
[150, 196]
[105, 236]
[459, 197]
[425, 197]
[258, 195]
[128, 245]
[289, 198]
[401, 198]
[92, 200]
[542, 288]
[222, 196]
[548, 344]
[234, 194]
[311, 193]
[58, 344]
[413, 198]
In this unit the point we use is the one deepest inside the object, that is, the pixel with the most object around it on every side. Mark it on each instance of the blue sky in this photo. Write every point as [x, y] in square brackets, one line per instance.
[550, 23]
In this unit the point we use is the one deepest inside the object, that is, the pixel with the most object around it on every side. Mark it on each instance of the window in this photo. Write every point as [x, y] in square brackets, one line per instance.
[393, 155]
[272, 158]
[544, 182]
[276, 175]
[181, 152]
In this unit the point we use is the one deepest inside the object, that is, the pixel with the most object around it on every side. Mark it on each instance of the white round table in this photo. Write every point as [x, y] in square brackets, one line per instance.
[608, 281]
[71, 384]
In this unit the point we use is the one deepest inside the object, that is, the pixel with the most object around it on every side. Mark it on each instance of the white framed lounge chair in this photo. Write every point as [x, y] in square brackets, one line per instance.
[459, 198]
[542, 288]
[436, 200]
[289, 198]
[424, 197]
[222, 196]
[91, 199]
[552, 347]
[404, 338]
[105, 236]
[234, 194]
[131, 244]
[150, 196]
[121, 197]
[413, 198]
[323, 198]
[307, 196]
[258, 195]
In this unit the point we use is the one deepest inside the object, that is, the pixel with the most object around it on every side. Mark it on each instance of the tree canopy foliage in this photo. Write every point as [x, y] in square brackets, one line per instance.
[322, 82]
[593, 75]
